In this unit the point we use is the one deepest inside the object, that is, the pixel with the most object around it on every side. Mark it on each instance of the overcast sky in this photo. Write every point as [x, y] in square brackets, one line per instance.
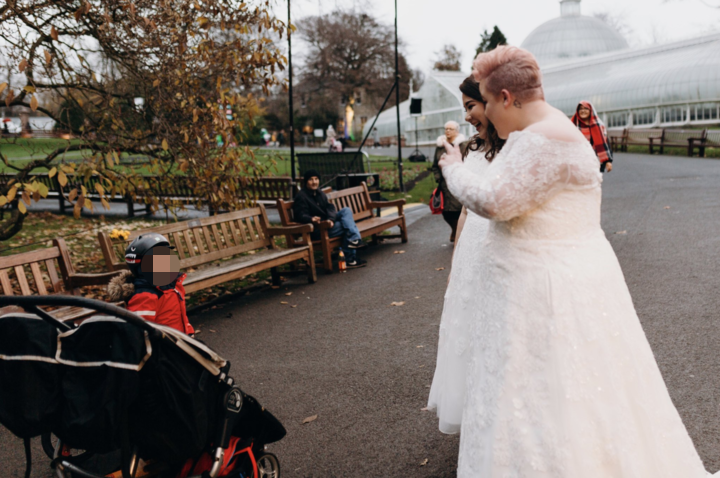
[426, 25]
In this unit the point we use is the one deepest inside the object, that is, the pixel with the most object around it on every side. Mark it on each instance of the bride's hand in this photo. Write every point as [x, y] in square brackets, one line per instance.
[452, 155]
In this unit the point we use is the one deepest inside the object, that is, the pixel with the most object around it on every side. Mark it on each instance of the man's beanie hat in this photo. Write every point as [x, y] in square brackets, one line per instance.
[310, 173]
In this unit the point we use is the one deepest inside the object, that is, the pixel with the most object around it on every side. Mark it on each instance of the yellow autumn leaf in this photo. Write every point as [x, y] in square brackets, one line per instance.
[3, 85]
[165, 144]
[3, 201]
[62, 179]
[34, 103]
[43, 190]
[23, 64]
[48, 57]
[21, 207]
[29, 89]
[99, 188]
[11, 193]
[52, 172]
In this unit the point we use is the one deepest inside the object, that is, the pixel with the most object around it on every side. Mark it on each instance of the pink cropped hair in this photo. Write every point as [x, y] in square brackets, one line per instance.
[510, 68]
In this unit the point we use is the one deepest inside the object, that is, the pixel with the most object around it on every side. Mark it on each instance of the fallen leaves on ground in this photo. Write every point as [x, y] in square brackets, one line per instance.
[399, 252]
[397, 304]
[213, 331]
[424, 462]
[310, 419]
[439, 268]
[288, 293]
[425, 409]
[667, 207]
[283, 302]
[621, 232]
[293, 306]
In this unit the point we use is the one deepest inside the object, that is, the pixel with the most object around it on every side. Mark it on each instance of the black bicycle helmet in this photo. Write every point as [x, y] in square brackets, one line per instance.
[139, 247]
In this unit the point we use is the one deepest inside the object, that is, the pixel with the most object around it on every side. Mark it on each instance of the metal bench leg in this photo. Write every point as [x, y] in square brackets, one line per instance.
[404, 231]
[312, 275]
[275, 276]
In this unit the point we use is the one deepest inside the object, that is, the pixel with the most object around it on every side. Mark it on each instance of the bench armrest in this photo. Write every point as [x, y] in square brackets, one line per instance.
[398, 203]
[80, 280]
[395, 203]
[323, 225]
[284, 230]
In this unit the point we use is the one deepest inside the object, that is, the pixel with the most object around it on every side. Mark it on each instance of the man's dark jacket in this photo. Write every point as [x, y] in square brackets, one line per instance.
[308, 204]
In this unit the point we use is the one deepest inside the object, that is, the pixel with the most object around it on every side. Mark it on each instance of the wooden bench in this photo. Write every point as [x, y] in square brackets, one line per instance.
[358, 200]
[36, 273]
[239, 243]
[262, 190]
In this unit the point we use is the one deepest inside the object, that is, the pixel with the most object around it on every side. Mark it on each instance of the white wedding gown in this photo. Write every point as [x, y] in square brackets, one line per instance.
[561, 381]
[447, 393]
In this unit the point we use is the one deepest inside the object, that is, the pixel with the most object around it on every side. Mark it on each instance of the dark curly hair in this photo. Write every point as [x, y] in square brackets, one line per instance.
[493, 143]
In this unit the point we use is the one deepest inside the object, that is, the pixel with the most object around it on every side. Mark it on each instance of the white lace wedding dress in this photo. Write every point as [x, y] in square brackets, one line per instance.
[561, 382]
[447, 393]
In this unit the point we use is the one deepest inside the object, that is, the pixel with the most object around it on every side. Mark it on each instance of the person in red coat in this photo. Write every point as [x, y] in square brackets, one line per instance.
[588, 122]
[153, 285]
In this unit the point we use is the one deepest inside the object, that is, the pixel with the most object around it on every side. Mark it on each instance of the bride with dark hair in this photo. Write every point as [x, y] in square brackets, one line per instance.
[447, 392]
[561, 380]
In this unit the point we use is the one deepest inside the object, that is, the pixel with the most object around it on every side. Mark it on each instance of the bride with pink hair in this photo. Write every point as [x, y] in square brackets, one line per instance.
[562, 382]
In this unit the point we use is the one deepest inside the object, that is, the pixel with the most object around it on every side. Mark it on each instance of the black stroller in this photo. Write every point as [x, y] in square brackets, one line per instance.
[161, 401]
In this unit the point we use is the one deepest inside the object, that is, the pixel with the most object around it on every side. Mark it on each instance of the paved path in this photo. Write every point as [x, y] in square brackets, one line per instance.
[364, 367]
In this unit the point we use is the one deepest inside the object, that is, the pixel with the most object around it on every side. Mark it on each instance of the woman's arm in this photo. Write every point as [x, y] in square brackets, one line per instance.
[526, 177]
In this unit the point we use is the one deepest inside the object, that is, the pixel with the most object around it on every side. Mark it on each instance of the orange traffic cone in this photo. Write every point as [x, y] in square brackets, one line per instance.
[342, 266]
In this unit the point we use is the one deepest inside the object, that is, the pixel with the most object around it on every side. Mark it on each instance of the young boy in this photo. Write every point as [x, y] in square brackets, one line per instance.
[152, 287]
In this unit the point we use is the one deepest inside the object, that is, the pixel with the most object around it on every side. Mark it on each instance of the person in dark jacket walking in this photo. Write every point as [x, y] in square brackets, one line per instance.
[452, 207]
[311, 206]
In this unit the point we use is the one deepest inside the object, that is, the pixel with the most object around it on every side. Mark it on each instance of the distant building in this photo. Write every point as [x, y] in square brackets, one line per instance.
[671, 85]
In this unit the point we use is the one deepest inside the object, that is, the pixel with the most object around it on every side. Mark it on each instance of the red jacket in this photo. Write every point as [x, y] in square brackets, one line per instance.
[166, 309]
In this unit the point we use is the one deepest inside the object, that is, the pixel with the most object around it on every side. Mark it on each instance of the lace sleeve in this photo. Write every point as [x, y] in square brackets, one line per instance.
[531, 170]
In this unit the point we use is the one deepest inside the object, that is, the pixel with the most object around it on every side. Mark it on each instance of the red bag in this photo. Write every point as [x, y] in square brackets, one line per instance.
[437, 202]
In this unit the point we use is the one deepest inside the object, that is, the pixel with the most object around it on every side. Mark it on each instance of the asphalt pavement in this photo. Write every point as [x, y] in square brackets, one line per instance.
[340, 350]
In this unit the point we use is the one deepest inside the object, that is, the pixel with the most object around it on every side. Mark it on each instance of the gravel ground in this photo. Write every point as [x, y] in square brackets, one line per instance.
[364, 367]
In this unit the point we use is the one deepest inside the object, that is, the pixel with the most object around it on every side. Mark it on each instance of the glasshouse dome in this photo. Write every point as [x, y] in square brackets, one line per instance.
[572, 35]
[672, 85]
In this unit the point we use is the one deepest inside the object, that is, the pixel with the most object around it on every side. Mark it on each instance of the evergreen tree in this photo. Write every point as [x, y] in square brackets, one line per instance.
[490, 40]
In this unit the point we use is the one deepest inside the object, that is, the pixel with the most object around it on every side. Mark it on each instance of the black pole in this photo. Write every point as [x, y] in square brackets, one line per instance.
[397, 104]
[292, 116]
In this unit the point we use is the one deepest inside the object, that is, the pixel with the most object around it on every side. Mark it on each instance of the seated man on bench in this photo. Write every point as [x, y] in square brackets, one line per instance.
[312, 206]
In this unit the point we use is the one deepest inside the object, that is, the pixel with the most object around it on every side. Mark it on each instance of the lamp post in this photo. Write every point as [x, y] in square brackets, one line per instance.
[290, 89]
[397, 104]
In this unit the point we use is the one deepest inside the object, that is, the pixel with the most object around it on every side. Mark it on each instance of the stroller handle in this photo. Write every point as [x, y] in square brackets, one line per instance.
[31, 301]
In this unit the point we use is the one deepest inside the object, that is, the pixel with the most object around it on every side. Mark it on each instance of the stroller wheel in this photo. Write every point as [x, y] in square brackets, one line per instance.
[268, 466]
[50, 441]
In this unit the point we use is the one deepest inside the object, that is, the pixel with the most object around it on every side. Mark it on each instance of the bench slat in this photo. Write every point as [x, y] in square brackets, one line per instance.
[179, 245]
[198, 241]
[38, 278]
[54, 279]
[230, 241]
[218, 238]
[22, 280]
[241, 227]
[241, 267]
[5, 282]
[213, 256]
[210, 246]
[251, 233]
[188, 241]
[27, 257]
[259, 228]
